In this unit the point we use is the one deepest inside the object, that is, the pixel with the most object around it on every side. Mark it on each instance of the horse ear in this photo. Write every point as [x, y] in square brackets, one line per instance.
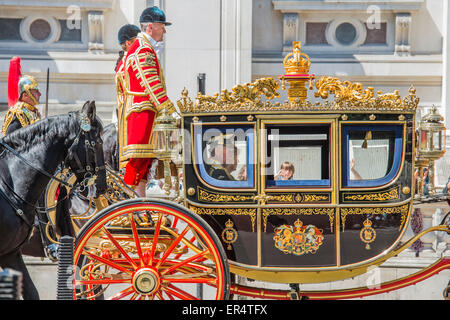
[89, 109]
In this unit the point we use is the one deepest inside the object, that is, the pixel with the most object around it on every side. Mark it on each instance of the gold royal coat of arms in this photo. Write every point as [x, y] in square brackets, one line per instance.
[298, 239]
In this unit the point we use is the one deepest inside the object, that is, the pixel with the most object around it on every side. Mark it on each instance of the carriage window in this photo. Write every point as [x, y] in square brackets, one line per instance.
[371, 154]
[298, 155]
[225, 155]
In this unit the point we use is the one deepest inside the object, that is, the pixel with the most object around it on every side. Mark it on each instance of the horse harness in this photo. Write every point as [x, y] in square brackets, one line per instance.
[89, 178]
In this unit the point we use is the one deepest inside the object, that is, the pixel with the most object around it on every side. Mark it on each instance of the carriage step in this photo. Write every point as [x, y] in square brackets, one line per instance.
[65, 269]
[10, 284]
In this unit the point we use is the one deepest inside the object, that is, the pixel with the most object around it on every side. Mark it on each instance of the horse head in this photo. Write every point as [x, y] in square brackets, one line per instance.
[85, 156]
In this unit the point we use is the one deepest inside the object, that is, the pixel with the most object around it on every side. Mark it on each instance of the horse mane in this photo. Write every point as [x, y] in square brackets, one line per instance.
[42, 131]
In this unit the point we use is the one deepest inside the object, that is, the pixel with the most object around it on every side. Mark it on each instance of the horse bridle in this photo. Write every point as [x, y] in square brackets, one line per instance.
[89, 178]
[89, 174]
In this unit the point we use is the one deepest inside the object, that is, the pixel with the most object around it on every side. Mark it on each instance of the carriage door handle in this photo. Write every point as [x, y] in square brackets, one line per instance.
[263, 198]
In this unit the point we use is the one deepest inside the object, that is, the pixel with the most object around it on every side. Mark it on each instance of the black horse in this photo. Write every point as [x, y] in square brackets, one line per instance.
[29, 158]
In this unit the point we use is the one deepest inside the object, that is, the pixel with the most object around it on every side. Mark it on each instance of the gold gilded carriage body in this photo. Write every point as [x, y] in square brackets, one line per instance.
[340, 207]
[310, 229]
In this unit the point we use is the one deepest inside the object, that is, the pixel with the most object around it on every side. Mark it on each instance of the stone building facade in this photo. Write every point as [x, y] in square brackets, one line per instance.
[388, 45]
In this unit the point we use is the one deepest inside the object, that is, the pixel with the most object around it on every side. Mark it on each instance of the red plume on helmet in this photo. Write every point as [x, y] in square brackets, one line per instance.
[13, 80]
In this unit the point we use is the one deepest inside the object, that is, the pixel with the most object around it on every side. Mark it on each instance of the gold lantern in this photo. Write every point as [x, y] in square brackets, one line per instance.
[296, 65]
[165, 141]
[430, 145]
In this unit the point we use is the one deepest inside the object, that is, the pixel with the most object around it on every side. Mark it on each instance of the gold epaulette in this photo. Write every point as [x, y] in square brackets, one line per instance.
[18, 112]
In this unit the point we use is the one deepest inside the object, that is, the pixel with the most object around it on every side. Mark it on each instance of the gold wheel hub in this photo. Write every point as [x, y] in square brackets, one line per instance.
[146, 281]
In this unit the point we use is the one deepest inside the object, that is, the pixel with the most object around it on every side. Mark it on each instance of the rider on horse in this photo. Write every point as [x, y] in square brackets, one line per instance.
[24, 112]
[23, 96]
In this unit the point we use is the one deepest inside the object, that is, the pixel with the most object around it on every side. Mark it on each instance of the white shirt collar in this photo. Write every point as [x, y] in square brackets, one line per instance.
[157, 45]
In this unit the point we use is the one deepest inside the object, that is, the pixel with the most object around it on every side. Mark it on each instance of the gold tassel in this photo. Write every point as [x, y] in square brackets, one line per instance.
[366, 138]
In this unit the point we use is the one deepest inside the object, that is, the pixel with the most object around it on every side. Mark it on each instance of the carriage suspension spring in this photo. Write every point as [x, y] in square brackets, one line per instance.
[10, 284]
[65, 281]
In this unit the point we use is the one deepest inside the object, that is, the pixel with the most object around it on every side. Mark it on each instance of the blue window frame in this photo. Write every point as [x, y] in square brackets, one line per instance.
[232, 142]
[298, 155]
[371, 154]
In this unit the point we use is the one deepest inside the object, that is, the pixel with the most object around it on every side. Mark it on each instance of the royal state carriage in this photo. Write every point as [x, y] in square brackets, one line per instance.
[340, 208]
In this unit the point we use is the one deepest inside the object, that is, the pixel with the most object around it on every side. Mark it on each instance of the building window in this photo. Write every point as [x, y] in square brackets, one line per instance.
[315, 33]
[345, 33]
[10, 29]
[40, 29]
[376, 35]
[68, 33]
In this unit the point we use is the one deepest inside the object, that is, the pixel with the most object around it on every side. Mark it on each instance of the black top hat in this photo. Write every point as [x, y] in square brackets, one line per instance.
[127, 32]
[153, 14]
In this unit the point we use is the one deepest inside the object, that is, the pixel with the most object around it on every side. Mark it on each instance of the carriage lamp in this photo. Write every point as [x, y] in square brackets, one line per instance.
[430, 145]
[296, 65]
[165, 142]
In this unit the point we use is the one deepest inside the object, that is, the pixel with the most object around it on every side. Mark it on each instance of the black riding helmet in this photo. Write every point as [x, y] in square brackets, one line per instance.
[127, 32]
[153, 14]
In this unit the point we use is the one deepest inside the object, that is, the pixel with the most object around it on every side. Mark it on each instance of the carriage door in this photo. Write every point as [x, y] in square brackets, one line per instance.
[297, 186]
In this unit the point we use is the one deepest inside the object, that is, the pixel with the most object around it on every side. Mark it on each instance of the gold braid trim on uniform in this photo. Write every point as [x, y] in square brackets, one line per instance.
[17, 111]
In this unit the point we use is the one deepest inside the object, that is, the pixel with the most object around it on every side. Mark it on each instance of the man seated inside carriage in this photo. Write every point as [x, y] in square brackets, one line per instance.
[223, 157]
[24, 112]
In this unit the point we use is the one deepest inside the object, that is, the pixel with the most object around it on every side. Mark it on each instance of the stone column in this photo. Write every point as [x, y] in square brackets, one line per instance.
[403, 34]
[236, 42]
[290, 30]
[96, 29]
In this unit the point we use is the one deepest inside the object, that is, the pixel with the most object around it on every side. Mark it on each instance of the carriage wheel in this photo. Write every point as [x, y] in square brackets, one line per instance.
[149, 249]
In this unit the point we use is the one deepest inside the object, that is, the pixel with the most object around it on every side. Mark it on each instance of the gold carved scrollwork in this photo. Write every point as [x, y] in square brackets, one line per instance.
[391, 194]
[348, 96]
[402, 210]
[352, 96]
[266, 212]
[343, 91]
[299, 198]
[214, 197]
[240, 98]
[251, 212]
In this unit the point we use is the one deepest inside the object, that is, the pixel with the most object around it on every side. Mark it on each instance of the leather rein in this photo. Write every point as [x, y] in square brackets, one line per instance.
[90, 174]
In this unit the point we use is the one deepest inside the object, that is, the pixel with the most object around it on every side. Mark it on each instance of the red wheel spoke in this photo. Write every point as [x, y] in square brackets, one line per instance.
[134, 296]
[107, 262]
[181, 294]
[191, 280]
[119, 247]
[159, 295]
[172, 246]
[171, 297]
[122, 294]
[155, 239]
[136, 239]
[188, 260]
[175, 221]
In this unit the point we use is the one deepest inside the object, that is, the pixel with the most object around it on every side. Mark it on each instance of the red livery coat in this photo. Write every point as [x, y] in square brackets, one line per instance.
[145, 95]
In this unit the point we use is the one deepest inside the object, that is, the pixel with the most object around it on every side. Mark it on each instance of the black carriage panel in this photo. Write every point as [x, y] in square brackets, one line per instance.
[298, 237]
[367, 232]
[237, 230]
[298, 220]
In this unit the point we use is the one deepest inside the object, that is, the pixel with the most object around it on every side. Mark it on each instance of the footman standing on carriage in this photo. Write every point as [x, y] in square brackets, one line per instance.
[145, 91]
[24, 88]
[126, 36]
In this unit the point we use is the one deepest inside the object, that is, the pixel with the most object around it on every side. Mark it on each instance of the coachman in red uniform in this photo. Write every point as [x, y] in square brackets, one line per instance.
[145, 91]
[126, 36]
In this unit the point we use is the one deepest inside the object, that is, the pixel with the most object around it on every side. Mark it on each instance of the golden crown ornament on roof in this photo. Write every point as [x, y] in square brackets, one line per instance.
[296, 65]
